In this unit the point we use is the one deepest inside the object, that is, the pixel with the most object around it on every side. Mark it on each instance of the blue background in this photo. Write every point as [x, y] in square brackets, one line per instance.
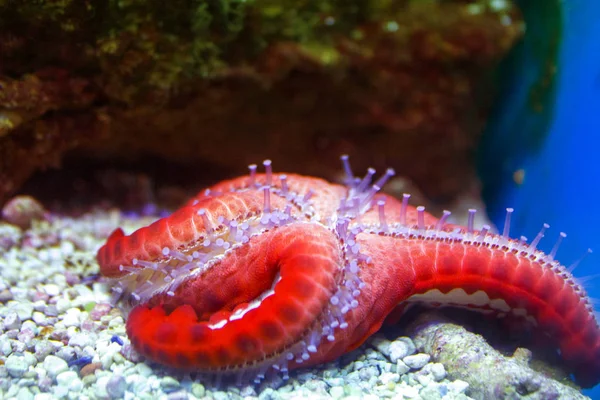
[557, 147]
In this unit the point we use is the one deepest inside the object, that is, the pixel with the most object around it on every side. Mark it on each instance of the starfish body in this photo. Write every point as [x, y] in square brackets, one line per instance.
[279, 272]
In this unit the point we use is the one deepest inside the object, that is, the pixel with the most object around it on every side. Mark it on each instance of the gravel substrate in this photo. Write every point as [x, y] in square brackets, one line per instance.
[61, 339]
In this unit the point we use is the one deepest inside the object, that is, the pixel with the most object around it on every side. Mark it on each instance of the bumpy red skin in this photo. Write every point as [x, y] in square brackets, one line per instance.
[306, 256]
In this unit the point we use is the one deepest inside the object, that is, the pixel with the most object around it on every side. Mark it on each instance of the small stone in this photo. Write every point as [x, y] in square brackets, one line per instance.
[55, 365]
[269, 394]
[64, 378]
[42, 349]
[89, 369]
[116, 386]
[12, 321]
[72, 317]
[424, 380]
[101, 384]
[169, 384]
[5, 295]
[398, 350]
[22, 211]
[438, 372]
[179, 395]
[24, 394]
[24, 310]
[417, 361]
[387, 377]
[401, 367]
[458, 386]
[39, 318]
[89, 380]
[145, 371]
[51, 289]
[336, 392]
[5, 347]
[51, 310]
[410, 392]
[70, 380]
[382, 344]
[99, 311]
[16, 366]
[43, 396]
[81, 339]
[198, 389]
[409, 344]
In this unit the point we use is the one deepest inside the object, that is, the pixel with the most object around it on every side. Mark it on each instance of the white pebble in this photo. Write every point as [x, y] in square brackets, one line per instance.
[417, 361]
[401, 367]
[410, 392]
[72, 317]
[388, 377]
[16, 366]
[336, 392]
[12, 321]
[55, 365]
[67, 378]
[43, 396]
[398, 350]
[438, 372]
[458, 386]
[81, 339]
[51, 289]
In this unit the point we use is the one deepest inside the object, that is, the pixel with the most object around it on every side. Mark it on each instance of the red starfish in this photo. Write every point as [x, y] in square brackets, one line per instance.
[265, 272]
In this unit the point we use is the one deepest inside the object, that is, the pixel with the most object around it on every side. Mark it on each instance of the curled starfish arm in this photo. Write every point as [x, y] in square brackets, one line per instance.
[242, 332]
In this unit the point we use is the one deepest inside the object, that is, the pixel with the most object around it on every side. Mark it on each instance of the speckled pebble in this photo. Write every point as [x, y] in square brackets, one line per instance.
[417, 361]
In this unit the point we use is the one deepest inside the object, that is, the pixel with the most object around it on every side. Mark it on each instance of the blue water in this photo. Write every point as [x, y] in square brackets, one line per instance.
[562, 169]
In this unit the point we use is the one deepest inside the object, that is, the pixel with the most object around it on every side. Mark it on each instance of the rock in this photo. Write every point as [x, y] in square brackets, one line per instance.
[471, 362]
[336, 392]
[169, 384]
[12, 321]
[458, 386]
[22, 211]
[399, 349]
[198, 389]
[438, 372]
[382, 344]
[417, 361]
[401, 367]
[55, 365]
[116, 386]
[16, 366]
